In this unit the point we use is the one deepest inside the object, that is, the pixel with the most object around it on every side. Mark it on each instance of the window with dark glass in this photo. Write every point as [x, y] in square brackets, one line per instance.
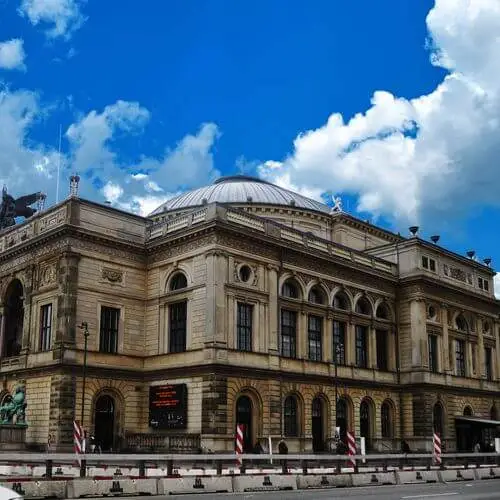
[45, 327]
[488, 363]
[433, 353]
[339, 332]
[386, 420]
[361, 347]
[244, 326]
[291, 417]
[289, 290]
[177, 326]
[341, 302]
[178, 282]
[363, 306]
[460, 357]
[316, 296]
[288, 333]
[315, 327]
[108, 335]
[382, 350]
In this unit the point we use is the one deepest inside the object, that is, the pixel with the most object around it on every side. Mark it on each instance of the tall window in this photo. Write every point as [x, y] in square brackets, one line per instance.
[288, 333]
[315, 327]
[361, 347]
[45, 327]
[108, 338]
[433, 353]
[488, 358]
[244, 326]
[386, 419]
[291, 417]
[178, 326]
[460, 357]
[339, 329]
[382, 350]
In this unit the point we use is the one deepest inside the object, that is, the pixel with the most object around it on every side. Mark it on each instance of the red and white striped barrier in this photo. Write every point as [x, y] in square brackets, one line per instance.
[239, 443]
[351, 448]
[77, 439]
[436, 446]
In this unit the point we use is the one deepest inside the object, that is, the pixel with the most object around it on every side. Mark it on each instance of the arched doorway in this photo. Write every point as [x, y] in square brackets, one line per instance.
[317, 425]
[14, 319]
[342, 419]
[365, 424]
[244, 410]
[104, 422]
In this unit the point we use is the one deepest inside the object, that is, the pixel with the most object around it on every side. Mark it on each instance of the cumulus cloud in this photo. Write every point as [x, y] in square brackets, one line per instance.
[63, 17]
[410, 158]
[12, 54]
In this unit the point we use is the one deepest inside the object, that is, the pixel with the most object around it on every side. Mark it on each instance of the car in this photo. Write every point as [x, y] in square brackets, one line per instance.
[9, 494]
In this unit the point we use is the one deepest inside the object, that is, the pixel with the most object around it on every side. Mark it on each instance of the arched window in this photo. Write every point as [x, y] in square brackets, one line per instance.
[316, 296]
[386, 419]
[341, 301]
[290, 412]
[290, 290]
[342, 420]
[178, 282]
[467, 411]
[14, 319]
[461, 323]
[383, 311]
[438, 419]
[363, 306]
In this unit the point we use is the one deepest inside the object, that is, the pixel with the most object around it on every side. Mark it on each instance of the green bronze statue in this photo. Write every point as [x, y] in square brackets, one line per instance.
[13, 409]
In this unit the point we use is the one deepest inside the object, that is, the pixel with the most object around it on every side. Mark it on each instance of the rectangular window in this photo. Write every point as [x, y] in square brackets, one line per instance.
[108, 338]
[288, 333]
[429, 264]
[315, 331]
[382, 350]
[46, 327]
[483, 284]
[433, 353]
[177, 326]
[488, 363]
[339, 332]
[361, 346]
[460, 357]
[244, 326]
[425, 262]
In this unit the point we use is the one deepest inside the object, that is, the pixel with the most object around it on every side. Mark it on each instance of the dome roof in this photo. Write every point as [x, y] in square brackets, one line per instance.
[240, 189]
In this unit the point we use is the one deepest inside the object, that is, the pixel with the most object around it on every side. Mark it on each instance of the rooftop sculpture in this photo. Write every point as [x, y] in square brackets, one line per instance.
[11, 208]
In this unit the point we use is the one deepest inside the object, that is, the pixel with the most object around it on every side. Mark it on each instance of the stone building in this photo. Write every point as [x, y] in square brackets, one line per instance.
[242, 302]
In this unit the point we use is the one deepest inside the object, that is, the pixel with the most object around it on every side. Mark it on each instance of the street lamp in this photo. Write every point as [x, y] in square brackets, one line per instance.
[85, 327]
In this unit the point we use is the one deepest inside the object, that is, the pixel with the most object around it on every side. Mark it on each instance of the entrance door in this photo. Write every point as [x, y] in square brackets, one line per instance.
[104, 421]
[317, 425]
[364, 423]
[244, 417]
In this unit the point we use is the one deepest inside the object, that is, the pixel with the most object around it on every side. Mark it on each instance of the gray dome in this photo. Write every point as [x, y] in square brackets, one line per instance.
[241, 189]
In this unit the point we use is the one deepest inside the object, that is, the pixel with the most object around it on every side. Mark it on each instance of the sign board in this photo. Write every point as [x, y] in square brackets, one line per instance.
[168, 406]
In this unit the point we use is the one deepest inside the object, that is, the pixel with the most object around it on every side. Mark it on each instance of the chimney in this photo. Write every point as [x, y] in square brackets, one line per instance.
[74, 180]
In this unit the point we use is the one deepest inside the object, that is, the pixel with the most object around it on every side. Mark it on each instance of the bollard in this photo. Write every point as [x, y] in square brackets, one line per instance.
[83, 468]
[219, 467]
[304, 467]
[339, 466]
[170, 468]
[142, 468]
[48, 469]
[284, 468]
[243, 467]
[384, 466]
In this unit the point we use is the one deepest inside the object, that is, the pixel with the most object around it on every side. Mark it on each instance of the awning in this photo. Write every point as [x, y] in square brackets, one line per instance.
[484, 421]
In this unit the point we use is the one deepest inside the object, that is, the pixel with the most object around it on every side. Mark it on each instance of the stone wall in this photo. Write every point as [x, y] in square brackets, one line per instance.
[39, 409]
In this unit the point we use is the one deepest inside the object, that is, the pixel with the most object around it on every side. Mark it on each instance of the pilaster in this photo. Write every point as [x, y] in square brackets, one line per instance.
[445, 350]
[273, 308]
[480, 361]
[419, 346]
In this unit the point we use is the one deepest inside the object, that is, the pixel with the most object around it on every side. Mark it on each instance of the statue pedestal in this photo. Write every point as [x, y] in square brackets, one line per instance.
[12, 437]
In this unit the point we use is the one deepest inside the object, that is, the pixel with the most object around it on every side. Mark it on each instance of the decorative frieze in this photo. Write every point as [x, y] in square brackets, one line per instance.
[114, 276]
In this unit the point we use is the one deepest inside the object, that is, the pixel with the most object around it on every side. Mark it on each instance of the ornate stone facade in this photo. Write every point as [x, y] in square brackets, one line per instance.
[289, 321]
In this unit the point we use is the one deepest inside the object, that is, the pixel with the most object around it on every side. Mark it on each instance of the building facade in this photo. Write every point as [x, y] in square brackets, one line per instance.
[244, 303]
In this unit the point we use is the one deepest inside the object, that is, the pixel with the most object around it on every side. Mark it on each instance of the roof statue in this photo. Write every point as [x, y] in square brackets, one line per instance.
[11, 208]
[337, 204]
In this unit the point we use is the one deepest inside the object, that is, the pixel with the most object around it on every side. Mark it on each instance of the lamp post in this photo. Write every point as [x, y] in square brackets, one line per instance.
[85, 327]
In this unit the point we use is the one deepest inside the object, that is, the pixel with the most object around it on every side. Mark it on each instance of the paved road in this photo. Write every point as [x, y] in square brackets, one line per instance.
[474, 490]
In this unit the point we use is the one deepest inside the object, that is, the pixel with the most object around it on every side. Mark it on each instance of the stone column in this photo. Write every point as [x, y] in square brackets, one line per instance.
[419, 346]
[2, 329]
[302, 335]
[273, 309]
[350, 348]
[445, 350]
[62, 411]
[480, 360]
[392, 349]
[67, 277]
[496, 361]
[372, 347]
[215, 334]
[328, 339]
[26, 341]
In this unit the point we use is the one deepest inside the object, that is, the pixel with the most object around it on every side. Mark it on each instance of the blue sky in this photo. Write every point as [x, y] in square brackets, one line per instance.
[392, 104]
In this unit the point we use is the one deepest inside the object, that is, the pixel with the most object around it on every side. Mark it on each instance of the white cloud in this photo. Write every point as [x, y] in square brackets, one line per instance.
[63, 16]
[496, 285]
[435, 153]
[12, 54]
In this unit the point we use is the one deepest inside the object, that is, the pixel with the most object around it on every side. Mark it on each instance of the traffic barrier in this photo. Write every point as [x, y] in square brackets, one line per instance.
[417, 477]
[193, 485]
[453, 475]
[374, 479]
[316, 481]
[78, 488]
[271, 482]
[487, 473]
[38, 489]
